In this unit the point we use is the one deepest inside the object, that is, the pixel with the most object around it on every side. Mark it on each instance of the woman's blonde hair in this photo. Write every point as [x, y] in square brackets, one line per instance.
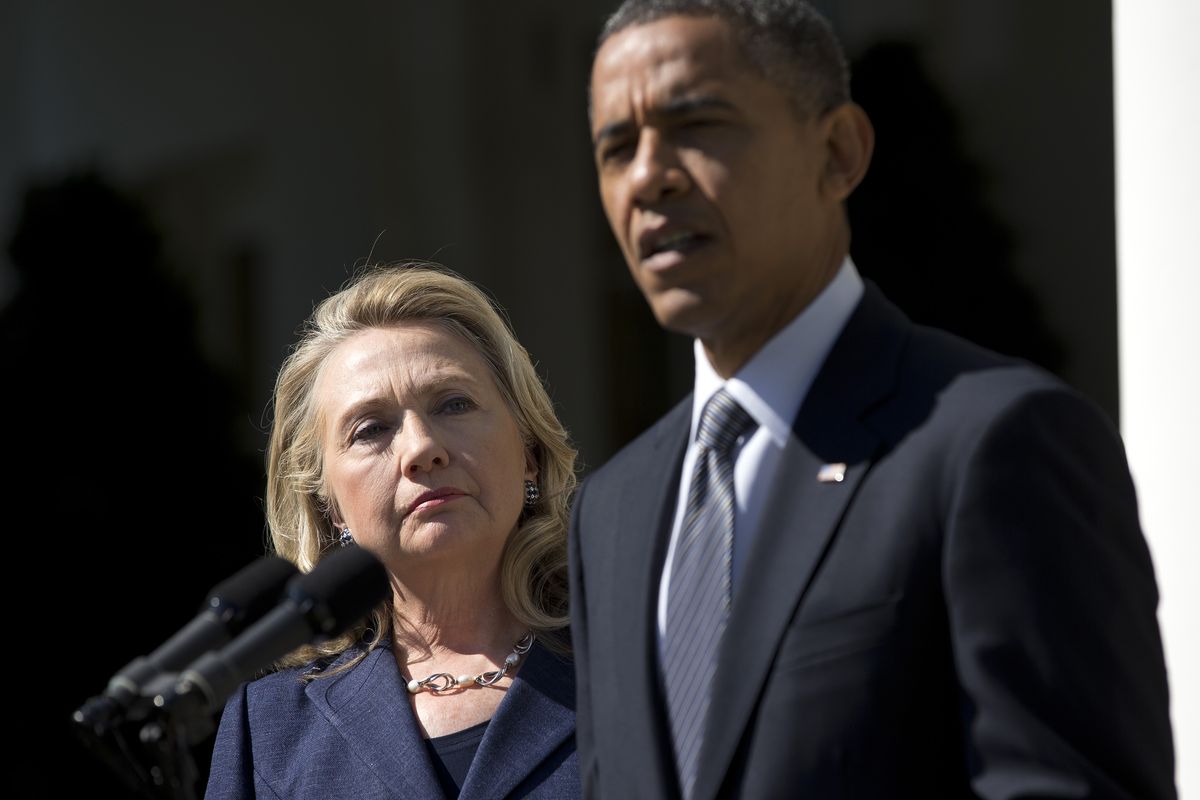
[533, 565]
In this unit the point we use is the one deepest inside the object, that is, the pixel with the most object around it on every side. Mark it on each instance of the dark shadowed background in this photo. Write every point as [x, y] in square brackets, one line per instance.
[179, 185]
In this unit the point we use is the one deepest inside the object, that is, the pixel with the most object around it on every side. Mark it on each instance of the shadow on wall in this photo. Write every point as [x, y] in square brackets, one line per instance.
[132, 498]
[921, 229]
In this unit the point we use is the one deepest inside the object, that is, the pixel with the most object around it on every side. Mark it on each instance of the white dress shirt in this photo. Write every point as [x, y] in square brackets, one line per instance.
[771, 386]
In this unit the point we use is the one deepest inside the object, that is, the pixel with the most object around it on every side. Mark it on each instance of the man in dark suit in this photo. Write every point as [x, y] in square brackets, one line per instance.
[863, 558]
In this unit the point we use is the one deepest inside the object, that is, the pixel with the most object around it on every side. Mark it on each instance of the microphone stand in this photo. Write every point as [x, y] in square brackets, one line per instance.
[148, 722]
[151, 743]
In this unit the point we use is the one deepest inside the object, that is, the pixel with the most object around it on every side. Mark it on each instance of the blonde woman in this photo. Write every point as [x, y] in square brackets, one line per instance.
[409, 421]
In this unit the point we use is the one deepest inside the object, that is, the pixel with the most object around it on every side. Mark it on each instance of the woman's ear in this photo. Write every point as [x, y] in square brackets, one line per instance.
[334, 515]
[531, 465]
[850, 140]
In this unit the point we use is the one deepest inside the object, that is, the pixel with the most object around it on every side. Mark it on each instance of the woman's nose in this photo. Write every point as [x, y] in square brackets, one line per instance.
[421, 449]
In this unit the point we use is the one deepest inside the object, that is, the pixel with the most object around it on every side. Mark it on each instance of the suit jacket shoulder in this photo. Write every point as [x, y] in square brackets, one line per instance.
[649, 444]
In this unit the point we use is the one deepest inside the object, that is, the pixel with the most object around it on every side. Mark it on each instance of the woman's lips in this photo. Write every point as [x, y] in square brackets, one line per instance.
[435, 498]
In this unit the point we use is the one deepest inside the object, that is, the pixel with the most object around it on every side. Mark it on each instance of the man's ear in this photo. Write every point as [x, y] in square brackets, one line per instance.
[849, 140]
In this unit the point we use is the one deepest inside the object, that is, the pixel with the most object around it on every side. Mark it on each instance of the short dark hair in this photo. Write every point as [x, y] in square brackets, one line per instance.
[788, 42]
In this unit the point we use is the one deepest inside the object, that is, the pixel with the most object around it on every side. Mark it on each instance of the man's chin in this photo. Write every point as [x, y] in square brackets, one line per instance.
[682, 311]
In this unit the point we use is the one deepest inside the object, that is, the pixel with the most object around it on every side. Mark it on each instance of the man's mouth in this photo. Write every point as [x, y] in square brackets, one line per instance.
[659, 248]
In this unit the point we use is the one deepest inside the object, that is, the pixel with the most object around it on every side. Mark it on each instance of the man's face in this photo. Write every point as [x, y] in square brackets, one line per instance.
[711, 181]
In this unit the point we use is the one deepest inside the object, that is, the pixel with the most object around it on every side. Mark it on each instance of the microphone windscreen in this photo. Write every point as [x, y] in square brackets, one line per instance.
[341, 589]
[251, 592]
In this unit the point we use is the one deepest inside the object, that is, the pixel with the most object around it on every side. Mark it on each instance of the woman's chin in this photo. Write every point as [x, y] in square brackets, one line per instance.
[442, 539]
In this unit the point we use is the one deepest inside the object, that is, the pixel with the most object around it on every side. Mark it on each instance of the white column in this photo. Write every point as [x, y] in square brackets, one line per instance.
[1157, 106]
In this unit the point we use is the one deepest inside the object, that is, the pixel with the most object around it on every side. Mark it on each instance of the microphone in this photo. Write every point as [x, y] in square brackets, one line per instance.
[230, 606]
[321, 604]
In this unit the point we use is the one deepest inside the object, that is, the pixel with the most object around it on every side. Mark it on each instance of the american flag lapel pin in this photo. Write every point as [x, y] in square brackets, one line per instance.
[831, 473]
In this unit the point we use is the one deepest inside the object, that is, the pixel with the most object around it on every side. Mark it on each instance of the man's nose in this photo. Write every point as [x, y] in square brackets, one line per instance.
[656, 172]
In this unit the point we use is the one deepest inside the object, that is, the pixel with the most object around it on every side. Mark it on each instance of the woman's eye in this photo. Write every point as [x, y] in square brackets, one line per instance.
[456, 405]
[367, 432]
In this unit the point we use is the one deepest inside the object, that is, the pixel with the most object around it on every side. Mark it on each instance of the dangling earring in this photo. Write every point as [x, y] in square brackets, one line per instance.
[532, 494]
[345, 539]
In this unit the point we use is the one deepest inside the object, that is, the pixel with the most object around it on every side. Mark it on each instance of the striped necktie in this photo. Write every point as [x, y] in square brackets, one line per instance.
[699, 593]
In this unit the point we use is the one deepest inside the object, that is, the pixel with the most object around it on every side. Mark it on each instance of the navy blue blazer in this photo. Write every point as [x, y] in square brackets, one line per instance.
[968, 612]
[354, 736]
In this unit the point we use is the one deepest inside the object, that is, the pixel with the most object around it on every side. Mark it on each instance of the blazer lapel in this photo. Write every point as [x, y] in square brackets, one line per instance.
[642, 529]
[369, 707]
[534, 719]
[799, 526]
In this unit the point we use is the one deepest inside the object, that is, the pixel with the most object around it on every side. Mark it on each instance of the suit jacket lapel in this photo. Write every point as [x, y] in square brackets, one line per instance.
[642, 533]
[799, 526]
[369, 707]
[534, 719]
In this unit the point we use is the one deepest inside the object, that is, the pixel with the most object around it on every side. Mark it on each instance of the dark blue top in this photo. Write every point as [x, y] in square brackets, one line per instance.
[452, 755]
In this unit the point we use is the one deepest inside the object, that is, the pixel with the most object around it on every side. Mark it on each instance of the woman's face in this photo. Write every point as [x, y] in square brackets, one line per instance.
[423, 459]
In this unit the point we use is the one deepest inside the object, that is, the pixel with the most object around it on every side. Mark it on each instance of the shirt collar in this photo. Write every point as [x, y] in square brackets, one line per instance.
[772, 385]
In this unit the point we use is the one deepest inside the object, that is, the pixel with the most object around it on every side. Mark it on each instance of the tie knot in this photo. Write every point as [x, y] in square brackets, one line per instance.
[722, 422]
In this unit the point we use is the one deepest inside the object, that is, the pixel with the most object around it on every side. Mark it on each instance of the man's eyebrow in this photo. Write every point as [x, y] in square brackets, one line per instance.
[681, 106]
[613, 130]
[674, 108]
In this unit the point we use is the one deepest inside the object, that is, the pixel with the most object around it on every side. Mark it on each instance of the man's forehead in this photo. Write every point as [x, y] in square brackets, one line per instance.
[661, 61]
